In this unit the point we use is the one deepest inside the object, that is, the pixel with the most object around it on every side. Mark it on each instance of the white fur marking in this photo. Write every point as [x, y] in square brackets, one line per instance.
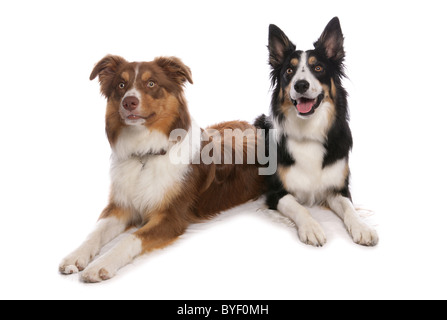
[313, 128]
[143, 188]
[132, 93]
[139, 140]
[307, 179]
[124, 113]
[107, 265]
[304, 73]
[309, 231]
[137, 71]
[106, 230]
[360, 232]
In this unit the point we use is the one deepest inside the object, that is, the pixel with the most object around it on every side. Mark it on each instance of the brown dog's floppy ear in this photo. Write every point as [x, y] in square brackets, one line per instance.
[106, 69]
[176, 69]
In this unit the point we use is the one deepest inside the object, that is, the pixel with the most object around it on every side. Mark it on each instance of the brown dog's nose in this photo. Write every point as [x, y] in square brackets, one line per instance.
[130, 103]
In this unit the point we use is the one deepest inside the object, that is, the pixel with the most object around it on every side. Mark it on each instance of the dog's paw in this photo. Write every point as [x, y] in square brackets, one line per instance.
[312, 233]
[74, 263]
[361, 233]
[97, 273]
[93, 275]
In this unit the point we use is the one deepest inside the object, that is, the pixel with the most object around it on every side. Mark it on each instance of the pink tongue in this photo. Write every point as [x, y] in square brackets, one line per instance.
[305, 106]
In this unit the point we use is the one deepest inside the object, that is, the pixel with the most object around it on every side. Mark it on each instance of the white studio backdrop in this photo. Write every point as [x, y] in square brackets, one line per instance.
[54, 154]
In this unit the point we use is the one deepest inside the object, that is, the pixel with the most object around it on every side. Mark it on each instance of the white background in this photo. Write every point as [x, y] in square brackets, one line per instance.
[54, 156]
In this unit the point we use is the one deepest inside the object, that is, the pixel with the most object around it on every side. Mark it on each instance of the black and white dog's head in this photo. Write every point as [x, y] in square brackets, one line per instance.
[306, 80]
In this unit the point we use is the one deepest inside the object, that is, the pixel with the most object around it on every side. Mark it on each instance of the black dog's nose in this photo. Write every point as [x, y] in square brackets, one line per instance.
[302, 86]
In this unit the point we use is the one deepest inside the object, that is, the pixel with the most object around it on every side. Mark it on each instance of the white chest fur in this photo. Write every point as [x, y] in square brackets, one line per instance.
[144, 188]
[142, 183]
[307, 179]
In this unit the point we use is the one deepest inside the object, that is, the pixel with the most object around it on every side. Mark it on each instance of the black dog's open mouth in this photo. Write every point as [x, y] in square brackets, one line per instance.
[306, 107]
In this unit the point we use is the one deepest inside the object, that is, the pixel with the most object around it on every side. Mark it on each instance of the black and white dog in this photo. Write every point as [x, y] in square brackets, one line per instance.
[309, 113]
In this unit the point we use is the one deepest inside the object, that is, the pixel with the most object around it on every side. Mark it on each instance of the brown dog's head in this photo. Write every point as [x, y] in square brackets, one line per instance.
[146, 94]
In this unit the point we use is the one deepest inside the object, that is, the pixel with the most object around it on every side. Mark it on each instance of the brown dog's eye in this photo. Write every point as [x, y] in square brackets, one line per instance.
[151, 84]
[122, 85]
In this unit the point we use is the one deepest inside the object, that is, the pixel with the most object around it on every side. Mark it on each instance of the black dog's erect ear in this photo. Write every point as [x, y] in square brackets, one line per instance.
[279, 46]
[106, 70]
[331, 41]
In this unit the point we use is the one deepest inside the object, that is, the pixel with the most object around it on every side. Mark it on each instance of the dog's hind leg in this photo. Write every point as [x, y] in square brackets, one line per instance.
[360, 232]
[309, 231]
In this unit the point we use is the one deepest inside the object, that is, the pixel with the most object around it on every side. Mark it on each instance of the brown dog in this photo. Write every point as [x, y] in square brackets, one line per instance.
[158, 184]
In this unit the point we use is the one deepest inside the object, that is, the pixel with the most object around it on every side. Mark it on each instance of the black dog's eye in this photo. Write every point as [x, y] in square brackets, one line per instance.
[318, 69]
[289, 71]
